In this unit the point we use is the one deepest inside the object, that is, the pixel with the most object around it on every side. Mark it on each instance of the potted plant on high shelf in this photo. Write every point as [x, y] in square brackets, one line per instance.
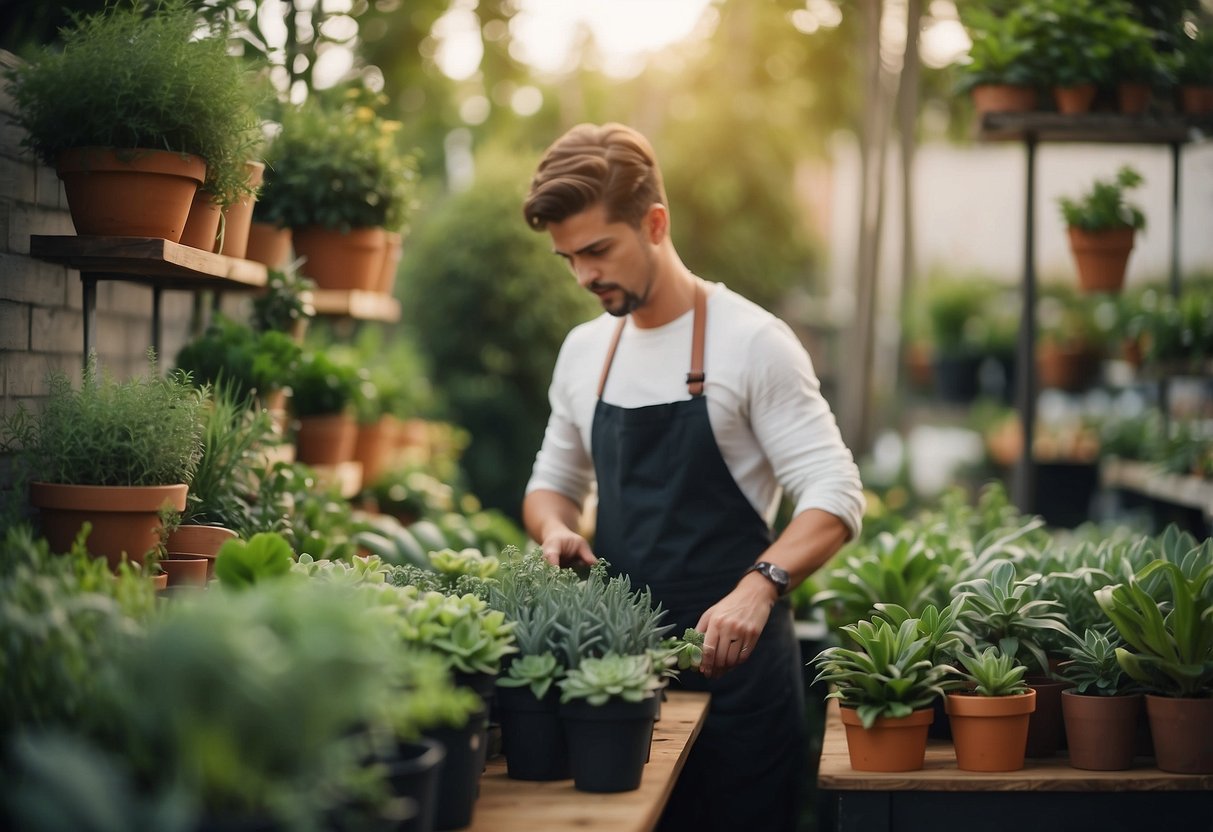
[111, 453]
[999, 72]
[339, 232]
[1163, 614]
[177, 115]
[1102, 225]
[1194, 72]
[886, 686]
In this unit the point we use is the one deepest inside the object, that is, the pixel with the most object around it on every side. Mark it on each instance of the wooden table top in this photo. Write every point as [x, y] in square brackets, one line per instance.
[507, 805]
[939, 772]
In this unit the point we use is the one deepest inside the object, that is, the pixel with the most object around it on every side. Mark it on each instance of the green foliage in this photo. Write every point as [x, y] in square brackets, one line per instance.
[322, 385]
[1001, 51]
[241, 564]
[1103, 207]
[598, 681]
[249, 362]
[676, 654]
[994, 673]
[145, 430]
[536, 671]
[961, 316]
[283, 304]
[126, 78]
[475, 261]
[940, 628]
[453, 564]
[1081, 41]
[891, 673]
[462, 629]
[337, 164]
[1193, 58]
[1093, 667]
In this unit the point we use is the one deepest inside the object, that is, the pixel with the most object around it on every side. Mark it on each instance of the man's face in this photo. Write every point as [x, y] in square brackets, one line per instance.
[611, 259]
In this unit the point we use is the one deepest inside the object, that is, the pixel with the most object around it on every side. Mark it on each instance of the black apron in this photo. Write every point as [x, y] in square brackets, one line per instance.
[671, 516]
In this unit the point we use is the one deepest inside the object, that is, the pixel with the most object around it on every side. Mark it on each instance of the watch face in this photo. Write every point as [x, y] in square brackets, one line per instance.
[779, 575]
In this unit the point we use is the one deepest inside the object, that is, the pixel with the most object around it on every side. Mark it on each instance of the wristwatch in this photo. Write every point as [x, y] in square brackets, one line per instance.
[775, 574]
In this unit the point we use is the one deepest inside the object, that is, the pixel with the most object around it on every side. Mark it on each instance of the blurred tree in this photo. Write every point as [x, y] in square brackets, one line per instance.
[26, 24]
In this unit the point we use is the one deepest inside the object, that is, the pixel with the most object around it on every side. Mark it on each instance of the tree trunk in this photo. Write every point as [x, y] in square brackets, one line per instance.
[907, 119]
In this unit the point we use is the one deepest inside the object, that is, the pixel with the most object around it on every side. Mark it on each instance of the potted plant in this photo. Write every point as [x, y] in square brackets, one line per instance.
[990, 721]
[956, 313]
[886, 687]
[606, 706]
[253, 366]
[1100, 711]
[1194, 71]
[1070, 343]
[339, 232]
[285, 305]
[110, 453]
[1137, 65]
[1000, 73]
[1162, 614]
[1101, 225]
[180, 113]
[322, 394]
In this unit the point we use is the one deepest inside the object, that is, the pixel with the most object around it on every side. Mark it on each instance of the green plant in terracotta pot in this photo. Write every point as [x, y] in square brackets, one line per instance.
[1193, 63]
[181, 108]
[999, 72]
[1102, 224]
[248, 362]
[1101, 709]
[322, 396]
[113, 453]
[990, 721]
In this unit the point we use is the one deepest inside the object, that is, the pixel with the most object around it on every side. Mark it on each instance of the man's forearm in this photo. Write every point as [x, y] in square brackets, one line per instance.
[811, 539]
[544, 512]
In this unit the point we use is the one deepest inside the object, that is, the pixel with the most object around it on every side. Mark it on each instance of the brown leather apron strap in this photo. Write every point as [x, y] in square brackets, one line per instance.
[695, 377]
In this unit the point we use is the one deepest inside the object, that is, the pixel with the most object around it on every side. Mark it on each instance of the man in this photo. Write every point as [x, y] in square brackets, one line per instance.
[692, 409]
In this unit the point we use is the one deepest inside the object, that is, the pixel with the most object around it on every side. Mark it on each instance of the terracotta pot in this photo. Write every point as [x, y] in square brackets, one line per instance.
[124, 518]
[1074, 100]
[239, 217]
[891, 744]
[1196, 100]
[1183, 733]
[990, 733]
[130, 193]
[199, 540]
[1066, 367]
[371, 447]
[393, 247]
[326, 440]
[268, 244]
[1003, 98]
[1133, 99]
[1102, 257]
[1045, 726]
[1100, 730]
[202, 225]
[186, 571]
[341, 260]
[159, 581]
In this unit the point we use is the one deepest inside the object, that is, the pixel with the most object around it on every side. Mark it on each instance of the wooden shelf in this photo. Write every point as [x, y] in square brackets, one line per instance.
[361, 305]
[149, 260]
[507, 805]
[1109, 128]
[1146, 479]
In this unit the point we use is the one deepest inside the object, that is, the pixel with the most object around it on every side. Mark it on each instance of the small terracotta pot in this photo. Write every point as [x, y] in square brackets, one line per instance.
[1196, 100]
[1072, 368]
[326, 440]
[199, 540]
[185, 571]
[239, 217]
[202, 225]
[371, 448]
[130, 193]
[1003, 98]
[159, 581]
[1182, 729]
[125, 519]
[891, 744]
[392, 249]
[1100, 730]
[1075, 99]
[990, 733]
[268, 244]
[1133, 99]
[341, 260]
[1102, 257]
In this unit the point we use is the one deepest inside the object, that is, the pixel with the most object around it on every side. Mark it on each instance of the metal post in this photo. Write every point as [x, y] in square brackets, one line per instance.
[88, 303]
[1024, 485]
[157, 321]
[1175, 183]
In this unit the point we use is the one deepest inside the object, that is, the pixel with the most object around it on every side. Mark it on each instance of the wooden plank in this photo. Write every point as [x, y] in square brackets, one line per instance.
[507, 805]
[358, 304]
[1111, 128]
[940, 773]
[1147, 479]
[149, 260]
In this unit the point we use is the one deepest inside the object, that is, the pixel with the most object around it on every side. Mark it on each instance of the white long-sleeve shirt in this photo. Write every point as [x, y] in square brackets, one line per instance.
[774, 429]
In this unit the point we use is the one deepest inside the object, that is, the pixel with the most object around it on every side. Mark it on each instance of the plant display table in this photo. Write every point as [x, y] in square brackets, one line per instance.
[1046, 795]
[507, 805]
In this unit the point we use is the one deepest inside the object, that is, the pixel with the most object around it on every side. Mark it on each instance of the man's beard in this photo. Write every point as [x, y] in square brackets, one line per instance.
[632, 301]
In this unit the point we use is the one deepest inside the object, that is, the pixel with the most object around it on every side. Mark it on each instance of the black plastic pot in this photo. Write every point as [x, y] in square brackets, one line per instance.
[956, 377]
[459, 779]
[413, 774]
[608, 744]
[532, 735]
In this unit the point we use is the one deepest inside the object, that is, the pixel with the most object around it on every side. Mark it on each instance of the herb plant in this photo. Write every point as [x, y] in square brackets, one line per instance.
[322, 386]
[248, 362]
[1103, 207]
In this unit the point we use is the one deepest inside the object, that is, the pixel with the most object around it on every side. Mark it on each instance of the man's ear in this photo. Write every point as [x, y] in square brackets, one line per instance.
[657, 223]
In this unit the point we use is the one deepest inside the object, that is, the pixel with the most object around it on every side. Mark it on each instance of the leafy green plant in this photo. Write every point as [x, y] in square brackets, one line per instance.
[1193, 60]
[891, 672]
[1001, 50]
[176, 91]
[1164, 613]
[537, 671]
[241, 564]
[463, 630]
[329, 139]
[993, 673]
[676, 654]
[322, 386]
[250, 363]
[599, 680]
[144, 430]
[1093, 667]
[1103, 206]
[1079, 41]
[940, 628]
[283, 304]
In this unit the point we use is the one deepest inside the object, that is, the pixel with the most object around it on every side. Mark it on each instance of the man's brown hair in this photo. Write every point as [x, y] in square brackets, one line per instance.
[609, 163]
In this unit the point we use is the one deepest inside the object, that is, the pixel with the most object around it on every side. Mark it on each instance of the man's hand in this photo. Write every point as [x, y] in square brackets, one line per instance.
[567, 548]
[731, 627]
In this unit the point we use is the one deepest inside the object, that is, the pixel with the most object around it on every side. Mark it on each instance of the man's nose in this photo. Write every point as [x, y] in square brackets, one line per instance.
[585, 273]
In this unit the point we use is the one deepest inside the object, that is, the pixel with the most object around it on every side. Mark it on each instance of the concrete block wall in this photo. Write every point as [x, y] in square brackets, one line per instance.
[41, 316]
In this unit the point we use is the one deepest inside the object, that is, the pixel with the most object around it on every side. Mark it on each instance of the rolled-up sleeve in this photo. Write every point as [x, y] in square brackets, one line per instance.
[798, 432]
